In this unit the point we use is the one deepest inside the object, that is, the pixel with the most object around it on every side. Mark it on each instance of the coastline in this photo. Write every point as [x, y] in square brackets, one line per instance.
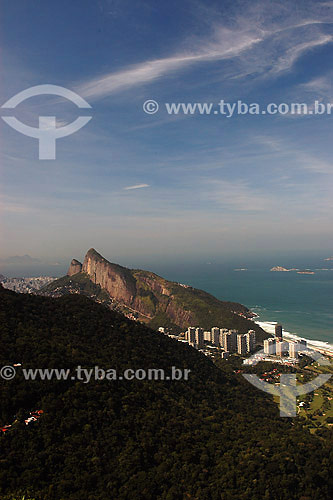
[317, 345]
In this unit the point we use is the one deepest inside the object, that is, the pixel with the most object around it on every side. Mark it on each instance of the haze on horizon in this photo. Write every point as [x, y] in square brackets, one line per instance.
[145, 187]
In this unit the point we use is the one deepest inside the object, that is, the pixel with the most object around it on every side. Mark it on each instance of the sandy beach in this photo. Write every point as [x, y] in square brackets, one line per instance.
[317, 345]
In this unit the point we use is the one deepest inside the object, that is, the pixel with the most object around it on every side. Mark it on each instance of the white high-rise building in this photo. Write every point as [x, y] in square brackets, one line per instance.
[281, 348]
[208, 336]
[251, 340]
[222, 332]
[270, 346]
[190, 337]
[242, 344]
[294, 348]
[216, 336]
[230, 341]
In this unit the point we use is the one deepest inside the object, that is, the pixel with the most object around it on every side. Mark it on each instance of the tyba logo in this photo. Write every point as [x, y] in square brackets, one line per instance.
[288, 390]
[47, 133]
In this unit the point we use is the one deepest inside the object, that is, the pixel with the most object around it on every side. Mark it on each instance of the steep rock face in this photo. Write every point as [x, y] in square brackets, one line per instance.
[142, 291]
[179, 316]
[153, 282]
[153, 295]
[116, 280]
[74, 267]
[150, 298]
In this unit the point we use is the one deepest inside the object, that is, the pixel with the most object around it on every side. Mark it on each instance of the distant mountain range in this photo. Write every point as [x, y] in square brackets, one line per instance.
[147, 297]
[20, 259]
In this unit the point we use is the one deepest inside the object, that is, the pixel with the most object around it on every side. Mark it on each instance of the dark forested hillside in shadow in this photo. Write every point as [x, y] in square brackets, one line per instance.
[212, 436]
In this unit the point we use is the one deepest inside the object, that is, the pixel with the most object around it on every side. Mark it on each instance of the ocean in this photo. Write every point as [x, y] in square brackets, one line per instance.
[302, 303]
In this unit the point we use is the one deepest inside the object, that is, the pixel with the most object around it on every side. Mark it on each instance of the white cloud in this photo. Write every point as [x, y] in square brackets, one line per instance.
[238, 196]
[319, 88]
[298, 158]
[8, 204]
[224, 47]
[319, 84]
[136, 186]
[259, 44]
[288, 59]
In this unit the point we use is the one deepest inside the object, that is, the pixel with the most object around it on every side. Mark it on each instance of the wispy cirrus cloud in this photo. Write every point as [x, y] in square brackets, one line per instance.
[288, 59]
[238, 196]
[136, 186]
[319, 88]
[260, 47]
[298, 158]
[12, 205]
[222, 47]
[319, 85]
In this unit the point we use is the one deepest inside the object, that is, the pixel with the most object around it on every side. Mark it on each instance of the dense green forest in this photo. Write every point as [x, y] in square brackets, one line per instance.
[212, 437]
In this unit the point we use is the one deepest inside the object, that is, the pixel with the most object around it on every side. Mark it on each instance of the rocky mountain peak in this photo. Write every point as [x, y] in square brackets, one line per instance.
[116, 280]
[150, 298]
[74, 267]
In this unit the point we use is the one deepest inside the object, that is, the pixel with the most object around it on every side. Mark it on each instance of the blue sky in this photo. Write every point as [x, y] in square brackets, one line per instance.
[204, 186]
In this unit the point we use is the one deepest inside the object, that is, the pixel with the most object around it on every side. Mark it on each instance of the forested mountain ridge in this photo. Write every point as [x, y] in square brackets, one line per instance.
[210, 437]
[150, 298]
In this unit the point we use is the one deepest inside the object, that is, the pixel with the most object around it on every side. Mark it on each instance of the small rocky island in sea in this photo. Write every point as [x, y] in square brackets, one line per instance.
[284, 269]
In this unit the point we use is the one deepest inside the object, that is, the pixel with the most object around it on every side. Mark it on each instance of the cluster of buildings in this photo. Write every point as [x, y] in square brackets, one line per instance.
[26, 285]
[33, 417]
[231, 341]
[277, 346]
